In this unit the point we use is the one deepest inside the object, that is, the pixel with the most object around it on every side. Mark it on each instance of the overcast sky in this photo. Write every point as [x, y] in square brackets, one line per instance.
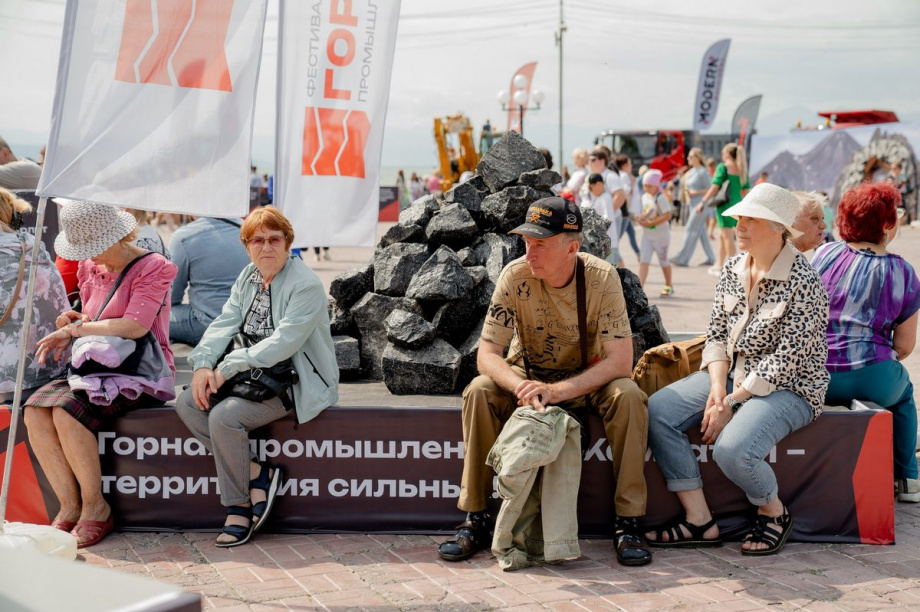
[628, 65]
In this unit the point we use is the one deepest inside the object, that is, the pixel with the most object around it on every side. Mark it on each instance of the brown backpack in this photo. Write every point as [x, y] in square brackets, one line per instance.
[667, 363]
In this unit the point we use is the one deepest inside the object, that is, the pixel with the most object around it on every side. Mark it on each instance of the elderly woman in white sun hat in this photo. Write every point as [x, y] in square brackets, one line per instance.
[62, 422]
[762, 377]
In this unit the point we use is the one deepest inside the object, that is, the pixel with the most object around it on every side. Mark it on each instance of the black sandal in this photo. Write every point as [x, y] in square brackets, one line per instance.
[764, 532]
[241, 533]
[270, 486]
[677, 539]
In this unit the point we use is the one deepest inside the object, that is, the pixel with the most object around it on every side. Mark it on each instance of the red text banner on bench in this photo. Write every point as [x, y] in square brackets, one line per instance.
[398, 470]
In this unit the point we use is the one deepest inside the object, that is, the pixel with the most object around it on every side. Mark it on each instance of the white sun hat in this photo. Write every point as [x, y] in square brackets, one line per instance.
[767, 201]
[89, 228]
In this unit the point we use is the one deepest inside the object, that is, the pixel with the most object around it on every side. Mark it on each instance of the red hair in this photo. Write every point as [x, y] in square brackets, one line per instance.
[865, 212]
[267, 218]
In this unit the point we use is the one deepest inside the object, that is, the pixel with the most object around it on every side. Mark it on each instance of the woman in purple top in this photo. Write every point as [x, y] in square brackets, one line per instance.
[874, 299]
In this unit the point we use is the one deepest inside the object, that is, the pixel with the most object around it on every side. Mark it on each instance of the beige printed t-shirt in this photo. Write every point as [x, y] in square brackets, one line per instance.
[546, 318]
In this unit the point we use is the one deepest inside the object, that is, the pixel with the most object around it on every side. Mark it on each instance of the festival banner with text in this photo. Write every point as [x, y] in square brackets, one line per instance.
[712, 70]
[153, 106]
[335, 58]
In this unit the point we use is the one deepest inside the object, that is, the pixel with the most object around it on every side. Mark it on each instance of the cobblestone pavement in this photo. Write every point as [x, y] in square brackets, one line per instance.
[387, 572]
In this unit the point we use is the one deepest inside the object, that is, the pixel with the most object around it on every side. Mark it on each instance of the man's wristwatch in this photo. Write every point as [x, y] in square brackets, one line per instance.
[733, 403]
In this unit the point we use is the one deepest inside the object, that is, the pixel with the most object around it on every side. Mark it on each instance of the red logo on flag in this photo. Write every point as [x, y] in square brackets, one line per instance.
[333, 142]
[175, 42]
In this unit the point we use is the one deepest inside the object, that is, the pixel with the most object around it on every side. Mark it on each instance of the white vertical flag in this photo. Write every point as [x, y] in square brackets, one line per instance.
[335, 58]
[153, 107]
[707, 92]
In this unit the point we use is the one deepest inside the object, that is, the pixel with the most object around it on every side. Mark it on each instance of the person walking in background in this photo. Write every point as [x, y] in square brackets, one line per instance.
[633, 204]
[577, 180]
[655, 218]
[599, 200]
[874, 300]
[733, 169]
[711, 224]
[695, 184]
[402, 191]
[416, 187]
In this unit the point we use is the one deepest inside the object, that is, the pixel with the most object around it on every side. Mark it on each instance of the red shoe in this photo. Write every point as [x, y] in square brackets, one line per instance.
[90, 533]
[63, 525]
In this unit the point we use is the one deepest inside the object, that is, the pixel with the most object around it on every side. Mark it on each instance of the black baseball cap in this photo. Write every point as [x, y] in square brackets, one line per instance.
[548, 217]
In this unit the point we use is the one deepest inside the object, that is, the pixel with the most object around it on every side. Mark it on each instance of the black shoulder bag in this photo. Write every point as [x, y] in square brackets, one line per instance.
[258, 384]
[130, 364]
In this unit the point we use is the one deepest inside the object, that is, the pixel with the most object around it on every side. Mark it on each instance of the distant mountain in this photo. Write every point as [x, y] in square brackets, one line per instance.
[816, 170]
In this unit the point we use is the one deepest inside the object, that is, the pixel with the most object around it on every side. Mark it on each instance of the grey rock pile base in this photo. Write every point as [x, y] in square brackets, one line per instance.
[417, 310]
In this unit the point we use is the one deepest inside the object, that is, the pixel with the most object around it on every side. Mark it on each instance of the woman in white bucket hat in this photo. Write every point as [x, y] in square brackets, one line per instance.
[762, 377]
[63, 422]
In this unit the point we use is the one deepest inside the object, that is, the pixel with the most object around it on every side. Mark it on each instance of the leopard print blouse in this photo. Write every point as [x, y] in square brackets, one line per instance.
[779, 340]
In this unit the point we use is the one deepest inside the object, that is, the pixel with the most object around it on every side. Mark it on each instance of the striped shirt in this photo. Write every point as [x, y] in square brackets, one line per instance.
[870, 295]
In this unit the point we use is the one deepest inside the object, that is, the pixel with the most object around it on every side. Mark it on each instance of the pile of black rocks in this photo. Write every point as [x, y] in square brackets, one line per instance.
[412, 317]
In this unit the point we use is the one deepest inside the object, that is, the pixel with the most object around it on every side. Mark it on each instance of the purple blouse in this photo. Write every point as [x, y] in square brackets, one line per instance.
[869, 295]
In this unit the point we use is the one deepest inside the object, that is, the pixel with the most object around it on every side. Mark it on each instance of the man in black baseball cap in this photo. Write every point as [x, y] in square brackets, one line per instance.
[553, 360]
[550, 216]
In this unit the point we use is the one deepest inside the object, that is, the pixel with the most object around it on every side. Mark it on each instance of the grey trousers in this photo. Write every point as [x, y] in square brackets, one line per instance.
[224, 430]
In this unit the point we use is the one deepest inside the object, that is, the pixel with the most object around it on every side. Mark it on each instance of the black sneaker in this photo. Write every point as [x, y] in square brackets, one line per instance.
[473, 534]
[631, 549]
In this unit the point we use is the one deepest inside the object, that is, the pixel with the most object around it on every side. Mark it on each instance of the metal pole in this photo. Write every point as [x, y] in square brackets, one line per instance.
[23, 350]
[559, 40]
[521, 112]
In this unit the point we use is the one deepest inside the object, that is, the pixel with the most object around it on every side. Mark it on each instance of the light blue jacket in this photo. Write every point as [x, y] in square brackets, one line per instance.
[301, 319]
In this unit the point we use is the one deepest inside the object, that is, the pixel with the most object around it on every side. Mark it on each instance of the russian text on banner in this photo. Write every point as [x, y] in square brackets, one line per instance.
[154, 103]
[335, 58]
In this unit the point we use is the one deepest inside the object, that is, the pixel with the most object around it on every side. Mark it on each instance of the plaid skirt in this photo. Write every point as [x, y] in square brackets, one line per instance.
[58, 394]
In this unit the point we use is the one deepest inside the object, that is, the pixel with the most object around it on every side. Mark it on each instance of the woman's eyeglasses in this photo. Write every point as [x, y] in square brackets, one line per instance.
[257, 243]
[901, 213]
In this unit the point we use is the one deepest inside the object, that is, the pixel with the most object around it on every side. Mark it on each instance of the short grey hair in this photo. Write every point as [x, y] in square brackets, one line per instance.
[578, 237]
[811, 201]
[779, 228]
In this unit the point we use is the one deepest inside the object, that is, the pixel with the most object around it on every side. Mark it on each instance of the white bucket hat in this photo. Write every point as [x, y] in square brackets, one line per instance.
[766, 201]
[89, 228]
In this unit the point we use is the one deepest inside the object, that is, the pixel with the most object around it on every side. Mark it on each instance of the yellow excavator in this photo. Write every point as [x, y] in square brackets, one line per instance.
[456, 149]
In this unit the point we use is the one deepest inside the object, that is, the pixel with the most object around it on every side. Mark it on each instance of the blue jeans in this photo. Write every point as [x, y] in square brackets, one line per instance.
[626, 227]
[740, 449]
[886, 383]
[696, 231]
[184, 325]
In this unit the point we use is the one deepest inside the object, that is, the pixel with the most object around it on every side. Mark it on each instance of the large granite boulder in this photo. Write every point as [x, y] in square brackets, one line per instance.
[594, 234]
[396, 265]
[452, 226]
[341, 321]
[408, 330]
[349, 287]
[505, 210]
[497, 250]
[402, 233]
[465, 195]
[468, 355]
[508, 158]
[347, 356]
[370, 313]
[420, 211]
[431, 370]
[441, 278]
[543, 179]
